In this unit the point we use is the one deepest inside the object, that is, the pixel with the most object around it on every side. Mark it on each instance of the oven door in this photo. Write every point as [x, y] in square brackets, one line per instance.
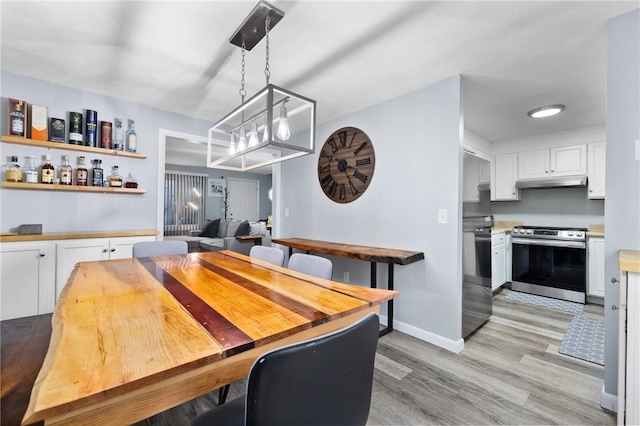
[550, 268]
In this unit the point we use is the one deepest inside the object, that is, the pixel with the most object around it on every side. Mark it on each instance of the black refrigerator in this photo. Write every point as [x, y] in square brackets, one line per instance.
[477, 222]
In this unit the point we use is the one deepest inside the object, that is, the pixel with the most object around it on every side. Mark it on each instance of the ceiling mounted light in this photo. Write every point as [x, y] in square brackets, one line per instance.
[546, 111]
[263, 137]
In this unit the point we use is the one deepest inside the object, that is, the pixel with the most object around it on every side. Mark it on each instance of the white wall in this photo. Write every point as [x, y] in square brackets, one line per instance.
[79, 211]
[417, 142]
[622, 208]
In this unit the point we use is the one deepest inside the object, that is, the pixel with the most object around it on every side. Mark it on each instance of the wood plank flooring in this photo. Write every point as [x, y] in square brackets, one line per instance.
[509, 373]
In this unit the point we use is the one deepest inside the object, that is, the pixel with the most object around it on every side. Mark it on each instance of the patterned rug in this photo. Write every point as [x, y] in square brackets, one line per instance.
[547, 302]
[584, 339]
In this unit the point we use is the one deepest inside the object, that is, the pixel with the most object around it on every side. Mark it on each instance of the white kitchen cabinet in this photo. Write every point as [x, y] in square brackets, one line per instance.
[498, 260]
[471, 168]
[595, 262]
[503, 185]
[508, 258]
[596, 169]
[70, 252]
[27, 283]
[554, 162]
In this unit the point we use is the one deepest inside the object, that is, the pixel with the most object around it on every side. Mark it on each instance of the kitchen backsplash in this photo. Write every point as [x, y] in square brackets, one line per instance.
[551, 207]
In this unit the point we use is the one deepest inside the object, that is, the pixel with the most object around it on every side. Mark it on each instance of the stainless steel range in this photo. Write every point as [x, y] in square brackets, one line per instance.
[550, 262]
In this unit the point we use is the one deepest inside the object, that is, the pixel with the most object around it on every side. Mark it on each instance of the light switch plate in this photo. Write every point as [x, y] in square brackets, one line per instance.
[442, 215]
[638, 149]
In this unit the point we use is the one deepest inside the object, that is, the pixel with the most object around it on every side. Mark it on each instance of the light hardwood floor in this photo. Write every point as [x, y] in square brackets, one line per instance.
[509, 372]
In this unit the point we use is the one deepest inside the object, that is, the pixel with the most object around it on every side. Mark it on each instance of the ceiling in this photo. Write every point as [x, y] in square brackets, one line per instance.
[347, 55]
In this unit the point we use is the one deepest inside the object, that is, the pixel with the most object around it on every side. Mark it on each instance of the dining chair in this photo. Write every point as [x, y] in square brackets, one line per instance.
[312, 265]
[268, 254]
[323, 381]
[159, 248]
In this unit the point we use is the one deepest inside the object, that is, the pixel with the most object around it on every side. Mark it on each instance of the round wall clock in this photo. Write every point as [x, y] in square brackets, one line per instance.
[345, 165]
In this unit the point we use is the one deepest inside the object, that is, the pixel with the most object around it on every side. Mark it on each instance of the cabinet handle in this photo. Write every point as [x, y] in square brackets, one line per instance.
[552, 171]
[41, 254]
[112, 250]
[614, 280]
[105, 250]
[614, 307]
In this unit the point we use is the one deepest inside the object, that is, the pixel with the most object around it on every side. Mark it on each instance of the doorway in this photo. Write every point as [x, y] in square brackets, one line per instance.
[244, 199]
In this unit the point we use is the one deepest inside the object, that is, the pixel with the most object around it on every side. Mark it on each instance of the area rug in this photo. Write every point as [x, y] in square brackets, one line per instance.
[547, 302]
[584, 339]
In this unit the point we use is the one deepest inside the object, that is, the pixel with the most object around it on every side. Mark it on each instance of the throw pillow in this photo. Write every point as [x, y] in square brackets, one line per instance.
[243, 228]
[232, 228]
[222, 228]
[211, 230]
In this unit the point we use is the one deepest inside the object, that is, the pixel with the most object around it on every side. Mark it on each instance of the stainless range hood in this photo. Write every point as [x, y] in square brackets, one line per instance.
[554, 182]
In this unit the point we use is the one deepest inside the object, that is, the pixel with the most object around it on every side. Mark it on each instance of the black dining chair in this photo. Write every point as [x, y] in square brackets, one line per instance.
[323, 381]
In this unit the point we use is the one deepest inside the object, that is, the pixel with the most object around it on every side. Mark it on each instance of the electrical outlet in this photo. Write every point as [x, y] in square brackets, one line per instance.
[638, 149]
[442, 215]
[286, 212]
[345, 276]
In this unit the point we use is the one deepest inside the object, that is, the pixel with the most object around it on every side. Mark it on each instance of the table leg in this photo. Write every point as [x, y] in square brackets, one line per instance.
[374, 284]
[374, 275]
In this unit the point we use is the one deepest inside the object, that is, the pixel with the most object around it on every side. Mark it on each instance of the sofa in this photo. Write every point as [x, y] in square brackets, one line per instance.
[220, 234]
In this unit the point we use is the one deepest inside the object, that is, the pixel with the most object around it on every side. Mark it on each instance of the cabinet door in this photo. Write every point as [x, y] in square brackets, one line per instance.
[70, 252]
[533, 164]
[568, 160]
[596, 169]
[26, 279]
[471, 169]
[503, 186]
[595, 257]
[122, 248]
[498, 266]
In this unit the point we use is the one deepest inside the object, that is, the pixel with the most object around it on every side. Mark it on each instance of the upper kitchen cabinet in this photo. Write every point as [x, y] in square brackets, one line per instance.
[596, 169]
[554, 162]
[503, 184]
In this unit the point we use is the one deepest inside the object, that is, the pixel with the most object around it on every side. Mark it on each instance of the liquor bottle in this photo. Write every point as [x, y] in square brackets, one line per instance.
[30, 169]
[48, 172]
[66, 172]
[115, 180]
[98, 173]
[17, 120]
[132, 137]
[118, 135]
[91, 128]
[105, 134]
[75, 128]
[12, 171]
[82, 174]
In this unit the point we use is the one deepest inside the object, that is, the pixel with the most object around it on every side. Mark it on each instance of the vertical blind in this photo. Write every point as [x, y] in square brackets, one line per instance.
[183, 202]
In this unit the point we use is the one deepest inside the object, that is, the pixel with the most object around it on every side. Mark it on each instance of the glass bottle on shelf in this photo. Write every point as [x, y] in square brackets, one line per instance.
[66, 172]
[132, 137]
[82, 174]
[17, 121]
[115, 180]
[130, 181]
[118, 135]
[98, 174]
[48, 172]
[30, 169]
[12, 171]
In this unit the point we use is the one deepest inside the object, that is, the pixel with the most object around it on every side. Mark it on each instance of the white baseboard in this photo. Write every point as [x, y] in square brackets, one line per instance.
[608, 401]
[455, 346]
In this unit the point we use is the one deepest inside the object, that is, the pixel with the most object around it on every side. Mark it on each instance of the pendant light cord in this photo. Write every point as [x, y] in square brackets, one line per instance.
[267, 72]
[243, 92]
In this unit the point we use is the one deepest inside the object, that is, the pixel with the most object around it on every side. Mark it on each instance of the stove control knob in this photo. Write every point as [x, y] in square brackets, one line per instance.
[529, 231]
[579, 234]
[522, 231]
[570, 233]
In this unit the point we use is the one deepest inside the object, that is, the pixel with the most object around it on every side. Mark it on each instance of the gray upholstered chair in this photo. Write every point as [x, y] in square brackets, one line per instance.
[323, 381]
[268, 254]
[311, 265]
[159, 248]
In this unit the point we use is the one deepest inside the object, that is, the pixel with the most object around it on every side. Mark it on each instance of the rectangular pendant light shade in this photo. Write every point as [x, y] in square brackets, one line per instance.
[264, 109]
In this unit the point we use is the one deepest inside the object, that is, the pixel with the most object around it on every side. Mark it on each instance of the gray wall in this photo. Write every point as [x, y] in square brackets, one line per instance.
[417, 142]
[622, 209]
[551, 207]
[214, 206]
[79, 211]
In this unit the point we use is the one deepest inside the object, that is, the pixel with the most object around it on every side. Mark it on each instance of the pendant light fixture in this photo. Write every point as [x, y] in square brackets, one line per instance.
[273, 125]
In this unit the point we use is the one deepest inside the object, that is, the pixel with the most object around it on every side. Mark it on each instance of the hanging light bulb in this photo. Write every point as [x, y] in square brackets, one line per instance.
[232, 144]
[283, 126]
[242, 143]
[265, 134]
[253, 135]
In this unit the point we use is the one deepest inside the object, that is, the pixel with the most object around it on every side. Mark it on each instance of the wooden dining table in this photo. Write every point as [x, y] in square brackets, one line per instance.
[134, 337]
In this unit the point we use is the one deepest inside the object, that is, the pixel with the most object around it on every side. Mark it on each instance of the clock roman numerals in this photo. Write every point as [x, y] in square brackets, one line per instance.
[343, 139]
[354, 190]
[325, 155]
[363, 161]
[334, 145]
[342, 195]
[361, 177]
[352, 138]
[326, 181]
[325, 169]
[360, 148]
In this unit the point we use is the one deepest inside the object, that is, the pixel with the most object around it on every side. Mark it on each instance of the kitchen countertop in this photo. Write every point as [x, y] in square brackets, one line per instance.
[5, 238]
[629, 260]
[500, 226]
[596, 230]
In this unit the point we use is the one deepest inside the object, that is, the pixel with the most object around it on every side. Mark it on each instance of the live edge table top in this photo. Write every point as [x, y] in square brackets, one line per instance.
[366, 253]
[133, 337]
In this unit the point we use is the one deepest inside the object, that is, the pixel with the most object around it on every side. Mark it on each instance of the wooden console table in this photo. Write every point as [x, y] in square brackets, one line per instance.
[366, 253]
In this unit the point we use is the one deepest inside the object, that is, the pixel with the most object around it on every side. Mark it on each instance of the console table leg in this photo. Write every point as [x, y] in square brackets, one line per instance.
[374, 276]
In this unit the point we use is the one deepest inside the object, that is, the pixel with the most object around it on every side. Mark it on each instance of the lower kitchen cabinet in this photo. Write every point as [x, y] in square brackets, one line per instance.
[595, 262]
[498, 260]
[509, 258]
[70, 252]
[27, 279]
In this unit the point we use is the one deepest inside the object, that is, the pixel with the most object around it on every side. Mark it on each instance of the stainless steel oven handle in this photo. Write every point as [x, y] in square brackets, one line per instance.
[549, 243]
